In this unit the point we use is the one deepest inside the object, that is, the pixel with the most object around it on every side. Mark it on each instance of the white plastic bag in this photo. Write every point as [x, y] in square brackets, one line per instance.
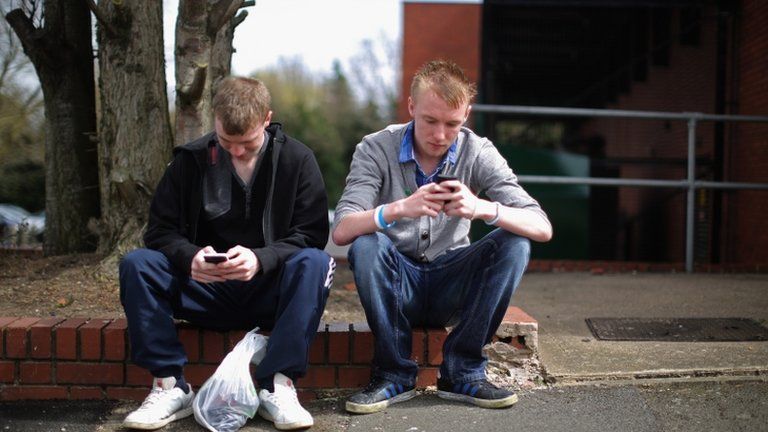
[228, 398]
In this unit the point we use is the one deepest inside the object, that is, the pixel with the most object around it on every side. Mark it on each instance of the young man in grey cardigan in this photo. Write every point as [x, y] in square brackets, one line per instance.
[411, 256]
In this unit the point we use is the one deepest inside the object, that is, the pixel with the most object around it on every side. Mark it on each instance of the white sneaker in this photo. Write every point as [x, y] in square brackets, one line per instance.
[282, 407]
[165, 403]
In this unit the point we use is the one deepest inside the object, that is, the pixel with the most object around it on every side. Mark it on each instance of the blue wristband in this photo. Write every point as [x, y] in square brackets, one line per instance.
[378, 217]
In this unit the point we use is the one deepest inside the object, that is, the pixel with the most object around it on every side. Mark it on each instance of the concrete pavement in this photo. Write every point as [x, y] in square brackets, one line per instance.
[570, 353]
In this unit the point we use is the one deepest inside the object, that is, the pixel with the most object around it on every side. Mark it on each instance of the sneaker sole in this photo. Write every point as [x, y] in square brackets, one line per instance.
[264, 413]
[378, 406]
[484, 403]
[180, 414]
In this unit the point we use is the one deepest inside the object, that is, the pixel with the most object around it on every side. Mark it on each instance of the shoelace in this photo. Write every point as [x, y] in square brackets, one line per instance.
[154, 396]
[489, 388]
[487, 385]
[376, 382]
[290, 398]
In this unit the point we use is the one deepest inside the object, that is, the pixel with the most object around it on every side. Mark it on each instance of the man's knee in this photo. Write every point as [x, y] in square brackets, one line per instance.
[513, 254]
[137, 259]
[137, 267]
[363, 243]
[310, 258]
[513, 246]
[368, 247]
[374, 262]
[519, 247]
[312, 261]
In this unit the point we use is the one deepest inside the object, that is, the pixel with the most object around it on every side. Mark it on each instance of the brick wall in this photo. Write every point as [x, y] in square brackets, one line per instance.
[78, 358]
[434, 30]
[747, 156]
[686, 85]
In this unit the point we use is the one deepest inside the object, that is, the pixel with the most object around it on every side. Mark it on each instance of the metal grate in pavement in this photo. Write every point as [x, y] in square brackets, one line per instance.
[678, 329]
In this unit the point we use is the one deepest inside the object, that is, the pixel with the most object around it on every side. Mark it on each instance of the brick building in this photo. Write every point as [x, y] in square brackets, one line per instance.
[677, 56]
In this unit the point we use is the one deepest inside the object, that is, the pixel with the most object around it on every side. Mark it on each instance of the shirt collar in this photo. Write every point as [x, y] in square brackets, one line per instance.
[406, 148]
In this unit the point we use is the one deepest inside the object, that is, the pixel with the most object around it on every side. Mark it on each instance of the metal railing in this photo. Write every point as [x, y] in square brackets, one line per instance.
[690, 183]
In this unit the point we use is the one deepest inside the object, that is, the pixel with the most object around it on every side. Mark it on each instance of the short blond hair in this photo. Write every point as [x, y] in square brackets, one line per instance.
[445, 78]
[241, 104]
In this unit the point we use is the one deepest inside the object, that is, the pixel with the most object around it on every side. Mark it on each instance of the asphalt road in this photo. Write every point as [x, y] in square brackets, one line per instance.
[660, 406]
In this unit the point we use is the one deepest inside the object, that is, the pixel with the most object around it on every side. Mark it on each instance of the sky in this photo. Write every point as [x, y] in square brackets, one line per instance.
[317, 31]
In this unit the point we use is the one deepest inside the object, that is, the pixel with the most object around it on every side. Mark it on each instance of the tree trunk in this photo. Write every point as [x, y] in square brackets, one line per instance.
[62, 54]
[204, 31]
[135, 135]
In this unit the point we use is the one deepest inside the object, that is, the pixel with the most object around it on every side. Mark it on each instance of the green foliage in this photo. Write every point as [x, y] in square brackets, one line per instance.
[21, 137]
[324, 114]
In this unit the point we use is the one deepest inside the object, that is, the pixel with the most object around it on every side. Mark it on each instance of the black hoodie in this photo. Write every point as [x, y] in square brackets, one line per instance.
[295, 214]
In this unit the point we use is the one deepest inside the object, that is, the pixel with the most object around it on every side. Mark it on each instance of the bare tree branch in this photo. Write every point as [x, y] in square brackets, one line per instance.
[103, 20]
[221, 12]
[6, 66]
[194, 89]
[9, 55]
[239, 18]
[33, 99]
[26, 32]
[34, 10]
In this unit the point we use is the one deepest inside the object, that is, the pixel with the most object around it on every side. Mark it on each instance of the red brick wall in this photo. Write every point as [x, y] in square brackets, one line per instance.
[79, 358]
[432, 31]
[747, 238]
[687, 84]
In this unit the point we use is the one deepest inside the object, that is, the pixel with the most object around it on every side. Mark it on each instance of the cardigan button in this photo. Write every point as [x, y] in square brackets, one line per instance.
[424, 235]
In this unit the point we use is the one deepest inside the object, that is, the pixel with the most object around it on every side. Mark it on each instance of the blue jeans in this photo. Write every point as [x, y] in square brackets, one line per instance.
[289, 302]
[471, 286]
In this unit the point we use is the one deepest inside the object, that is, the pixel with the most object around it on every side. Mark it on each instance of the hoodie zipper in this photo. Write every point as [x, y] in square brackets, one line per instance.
[247, 203]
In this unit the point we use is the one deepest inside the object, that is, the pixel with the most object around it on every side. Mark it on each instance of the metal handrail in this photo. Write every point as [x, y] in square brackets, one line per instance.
[690, 183]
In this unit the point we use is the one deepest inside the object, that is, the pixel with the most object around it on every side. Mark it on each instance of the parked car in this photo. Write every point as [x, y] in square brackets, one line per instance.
[18, 226]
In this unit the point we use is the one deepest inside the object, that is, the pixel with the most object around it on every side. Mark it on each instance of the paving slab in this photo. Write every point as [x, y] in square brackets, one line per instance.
[569, 352]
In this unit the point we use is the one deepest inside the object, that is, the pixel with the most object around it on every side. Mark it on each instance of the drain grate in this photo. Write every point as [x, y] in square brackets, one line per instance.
[678, 329]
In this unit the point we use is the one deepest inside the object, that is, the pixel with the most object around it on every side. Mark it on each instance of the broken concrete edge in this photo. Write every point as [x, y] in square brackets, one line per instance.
[529, 332]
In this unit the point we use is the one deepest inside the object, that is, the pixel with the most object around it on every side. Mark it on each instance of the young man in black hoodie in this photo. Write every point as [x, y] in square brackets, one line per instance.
[250, 193]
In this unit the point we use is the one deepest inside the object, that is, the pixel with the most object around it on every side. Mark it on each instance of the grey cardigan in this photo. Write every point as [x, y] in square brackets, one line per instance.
[377, 177]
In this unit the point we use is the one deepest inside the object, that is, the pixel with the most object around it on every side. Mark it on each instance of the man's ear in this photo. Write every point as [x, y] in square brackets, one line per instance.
[410, 106]
[268, 118]
[469, 110]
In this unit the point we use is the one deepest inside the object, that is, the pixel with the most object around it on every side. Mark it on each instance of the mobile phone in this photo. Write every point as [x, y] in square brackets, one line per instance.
[215, 257]
[443, 177]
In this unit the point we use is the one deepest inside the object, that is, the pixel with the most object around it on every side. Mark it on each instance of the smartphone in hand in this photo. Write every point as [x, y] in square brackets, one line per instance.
[445, 177]
[215, 257]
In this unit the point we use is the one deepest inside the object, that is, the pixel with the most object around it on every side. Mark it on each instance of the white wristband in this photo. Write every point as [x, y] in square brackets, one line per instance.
[378, 218]
[498, 215]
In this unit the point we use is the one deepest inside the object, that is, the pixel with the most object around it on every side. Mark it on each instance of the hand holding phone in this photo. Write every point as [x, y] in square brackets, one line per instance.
[215, 257]
[445, 177]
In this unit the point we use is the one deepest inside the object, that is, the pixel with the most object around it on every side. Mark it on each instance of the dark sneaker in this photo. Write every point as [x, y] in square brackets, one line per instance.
[480, 393]
[377, 395]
